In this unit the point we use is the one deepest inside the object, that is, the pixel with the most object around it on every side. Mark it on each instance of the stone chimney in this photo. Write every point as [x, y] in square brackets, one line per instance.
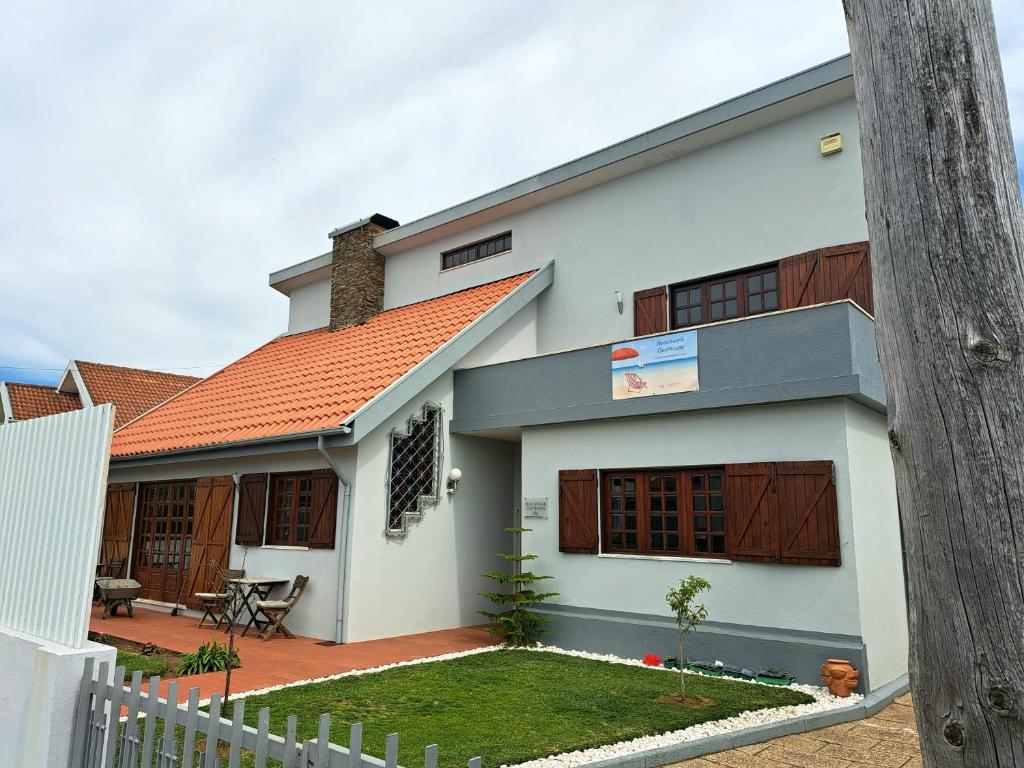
[357, 272]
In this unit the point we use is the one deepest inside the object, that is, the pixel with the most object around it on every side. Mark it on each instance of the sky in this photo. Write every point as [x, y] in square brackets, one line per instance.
[159, 160]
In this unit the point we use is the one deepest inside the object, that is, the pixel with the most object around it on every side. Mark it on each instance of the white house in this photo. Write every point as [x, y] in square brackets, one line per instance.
[659, 357]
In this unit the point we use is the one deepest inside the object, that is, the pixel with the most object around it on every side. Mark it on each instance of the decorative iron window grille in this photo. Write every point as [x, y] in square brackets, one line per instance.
[414, 468]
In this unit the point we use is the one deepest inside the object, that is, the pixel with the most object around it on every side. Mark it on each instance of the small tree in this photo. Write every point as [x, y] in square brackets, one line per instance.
[688, 615]
[517, 625]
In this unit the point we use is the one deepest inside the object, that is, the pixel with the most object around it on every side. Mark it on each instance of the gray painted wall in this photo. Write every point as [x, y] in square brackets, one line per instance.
[755, 198]
[822, 351]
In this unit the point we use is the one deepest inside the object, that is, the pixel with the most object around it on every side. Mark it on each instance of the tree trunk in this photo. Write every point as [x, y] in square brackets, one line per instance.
[682, 671]
[947, 241]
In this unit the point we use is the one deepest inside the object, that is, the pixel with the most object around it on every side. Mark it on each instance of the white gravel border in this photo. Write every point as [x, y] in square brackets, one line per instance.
[823, 701]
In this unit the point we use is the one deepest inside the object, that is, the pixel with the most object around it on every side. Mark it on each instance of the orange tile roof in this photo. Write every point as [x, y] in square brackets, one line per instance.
[30, 401]
[308, 381]
[133, 391]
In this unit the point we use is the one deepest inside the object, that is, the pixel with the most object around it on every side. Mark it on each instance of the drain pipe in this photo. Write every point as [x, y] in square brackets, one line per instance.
[343, 546]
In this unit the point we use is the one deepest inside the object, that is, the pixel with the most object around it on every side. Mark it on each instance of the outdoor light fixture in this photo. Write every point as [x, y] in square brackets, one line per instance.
[453, 479]
[618, 300]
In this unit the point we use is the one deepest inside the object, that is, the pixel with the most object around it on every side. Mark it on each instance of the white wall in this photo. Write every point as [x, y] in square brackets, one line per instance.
[309, 306]
[755, 198]
[883, 610]
[430, 578]
[514, 340]
[822, 599]
[39, 697]
[315, 615]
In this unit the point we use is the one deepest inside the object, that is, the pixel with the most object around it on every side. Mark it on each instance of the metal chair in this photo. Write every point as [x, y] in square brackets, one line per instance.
[217, 606]
[275, 611]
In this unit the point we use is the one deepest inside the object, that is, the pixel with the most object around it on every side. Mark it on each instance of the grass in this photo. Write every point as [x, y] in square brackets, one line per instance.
[509, 706]
[150, 665]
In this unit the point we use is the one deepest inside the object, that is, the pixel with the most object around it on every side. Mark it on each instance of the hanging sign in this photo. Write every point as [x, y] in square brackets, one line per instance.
[656, 365]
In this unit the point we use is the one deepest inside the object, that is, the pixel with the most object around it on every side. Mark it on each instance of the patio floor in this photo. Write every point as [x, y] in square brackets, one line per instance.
[278, 660]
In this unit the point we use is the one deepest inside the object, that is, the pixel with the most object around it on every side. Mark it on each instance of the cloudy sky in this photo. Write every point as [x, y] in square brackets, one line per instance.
[160, 159]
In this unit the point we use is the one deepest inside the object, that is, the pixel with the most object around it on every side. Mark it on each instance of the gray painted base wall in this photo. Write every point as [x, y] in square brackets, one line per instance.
[633, 635]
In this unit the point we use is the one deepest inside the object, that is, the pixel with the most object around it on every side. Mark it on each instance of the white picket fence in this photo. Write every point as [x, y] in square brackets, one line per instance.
[99, 742]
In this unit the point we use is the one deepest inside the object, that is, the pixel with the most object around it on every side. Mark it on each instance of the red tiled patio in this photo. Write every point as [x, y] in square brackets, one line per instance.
[278, 660]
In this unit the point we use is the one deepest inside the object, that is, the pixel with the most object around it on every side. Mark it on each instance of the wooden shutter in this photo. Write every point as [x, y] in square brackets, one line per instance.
[800, 280]
[650, 311]
[577, 510]
[117, 523]
[808, 513]
[211, 535]
[827, 274]
[325, 509]
[847, 274]
[752, 512]
[252, 505]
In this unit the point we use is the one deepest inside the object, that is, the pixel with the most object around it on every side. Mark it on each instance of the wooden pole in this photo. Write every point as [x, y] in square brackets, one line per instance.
[947, 237]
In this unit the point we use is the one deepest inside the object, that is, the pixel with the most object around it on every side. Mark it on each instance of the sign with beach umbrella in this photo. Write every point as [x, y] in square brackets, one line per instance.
[655, 365]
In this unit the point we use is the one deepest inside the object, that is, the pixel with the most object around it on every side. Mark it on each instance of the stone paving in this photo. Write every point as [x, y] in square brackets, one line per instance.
[887, 740]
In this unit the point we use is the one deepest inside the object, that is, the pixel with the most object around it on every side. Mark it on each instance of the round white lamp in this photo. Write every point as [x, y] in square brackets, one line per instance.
[454, 475]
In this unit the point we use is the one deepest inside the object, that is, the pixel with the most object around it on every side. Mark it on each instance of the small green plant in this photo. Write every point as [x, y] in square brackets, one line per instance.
[688, 616]
[513, 621]
[209, 657]
[148, 665]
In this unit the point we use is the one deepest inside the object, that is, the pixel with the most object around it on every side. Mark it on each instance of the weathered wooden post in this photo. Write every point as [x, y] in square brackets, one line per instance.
[947, 237]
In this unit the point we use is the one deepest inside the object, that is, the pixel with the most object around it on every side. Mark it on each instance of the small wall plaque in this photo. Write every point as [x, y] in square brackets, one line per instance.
[831, 144]
[535, 507]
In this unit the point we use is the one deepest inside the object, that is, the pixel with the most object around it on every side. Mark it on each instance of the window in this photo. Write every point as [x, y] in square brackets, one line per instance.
[291, 509]
[476, 251]
[725, 297]
[665, 512]
[414, 468]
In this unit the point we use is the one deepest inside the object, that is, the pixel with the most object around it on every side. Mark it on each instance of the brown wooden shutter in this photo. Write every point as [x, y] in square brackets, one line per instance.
[325, 509]
[800, 280]
[827, 274]
[847, 274]
[577, 511]
[117, 523]
[211, 535]
[650, 311]
[752, 512]
[808, 513]
[252, 505]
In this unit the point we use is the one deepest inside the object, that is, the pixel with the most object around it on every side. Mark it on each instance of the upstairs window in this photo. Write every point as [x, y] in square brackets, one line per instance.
[725, 297]
[492, 246]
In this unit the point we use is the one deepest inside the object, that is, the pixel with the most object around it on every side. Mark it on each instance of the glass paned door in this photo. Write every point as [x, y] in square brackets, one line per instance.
[163, 538]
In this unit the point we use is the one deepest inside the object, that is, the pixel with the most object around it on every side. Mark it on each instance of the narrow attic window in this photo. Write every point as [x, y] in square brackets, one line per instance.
[492, 246]
[414, 468]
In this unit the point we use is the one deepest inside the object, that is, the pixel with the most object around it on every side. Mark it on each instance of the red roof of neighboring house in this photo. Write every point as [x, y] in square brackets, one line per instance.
[133, 391]
[308, 381]
[30, 401]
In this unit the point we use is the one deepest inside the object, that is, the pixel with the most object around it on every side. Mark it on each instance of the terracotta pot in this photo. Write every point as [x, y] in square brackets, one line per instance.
[840, 677]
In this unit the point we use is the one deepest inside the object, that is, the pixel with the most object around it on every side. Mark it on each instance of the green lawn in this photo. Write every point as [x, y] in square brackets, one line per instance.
[150, 665]
[508, 706]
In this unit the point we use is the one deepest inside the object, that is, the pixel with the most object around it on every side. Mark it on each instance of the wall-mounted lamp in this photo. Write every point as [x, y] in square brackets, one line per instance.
[453, 479]
[618, 300]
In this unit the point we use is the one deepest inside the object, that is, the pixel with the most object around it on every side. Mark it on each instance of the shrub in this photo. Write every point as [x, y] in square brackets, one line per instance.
[516, 625]
[209, 657]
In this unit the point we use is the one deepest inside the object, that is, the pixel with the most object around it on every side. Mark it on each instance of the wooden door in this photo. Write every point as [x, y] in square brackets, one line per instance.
[164, 528]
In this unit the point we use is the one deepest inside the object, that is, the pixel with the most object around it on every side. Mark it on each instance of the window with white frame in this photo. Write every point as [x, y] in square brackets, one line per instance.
[414, 468]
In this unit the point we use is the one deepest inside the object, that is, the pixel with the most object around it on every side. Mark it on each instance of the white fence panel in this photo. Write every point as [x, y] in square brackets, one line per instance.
[53, 477]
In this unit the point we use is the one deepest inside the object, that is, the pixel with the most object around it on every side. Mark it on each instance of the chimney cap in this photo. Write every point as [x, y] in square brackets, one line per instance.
[377, 218]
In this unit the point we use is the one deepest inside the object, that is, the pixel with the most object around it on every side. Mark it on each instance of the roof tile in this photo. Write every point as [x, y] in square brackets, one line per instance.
[308, 381]
[133, 391]
[30, 401]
